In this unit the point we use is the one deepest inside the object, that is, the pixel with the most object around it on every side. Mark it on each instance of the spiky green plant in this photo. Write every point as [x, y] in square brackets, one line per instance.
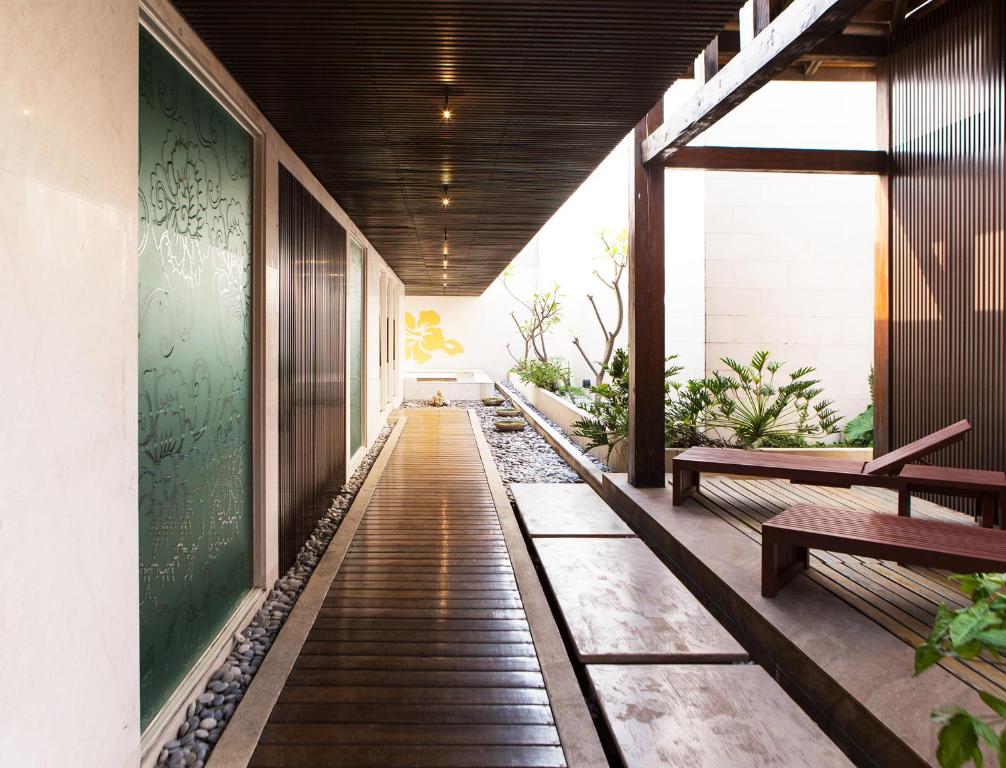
[757, 411]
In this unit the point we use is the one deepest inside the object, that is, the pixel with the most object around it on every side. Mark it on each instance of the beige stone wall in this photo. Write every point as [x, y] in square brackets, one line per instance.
[69, 634]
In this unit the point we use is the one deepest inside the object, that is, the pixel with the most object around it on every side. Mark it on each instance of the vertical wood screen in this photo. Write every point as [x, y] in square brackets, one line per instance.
[948, 334]
[312, 363]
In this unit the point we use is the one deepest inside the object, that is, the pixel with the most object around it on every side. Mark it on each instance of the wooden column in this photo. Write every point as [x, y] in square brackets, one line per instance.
[882, 274]
[646, 312]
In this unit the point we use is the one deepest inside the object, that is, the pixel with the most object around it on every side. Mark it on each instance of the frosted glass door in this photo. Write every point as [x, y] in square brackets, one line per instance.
[355, 300]
[194, 356]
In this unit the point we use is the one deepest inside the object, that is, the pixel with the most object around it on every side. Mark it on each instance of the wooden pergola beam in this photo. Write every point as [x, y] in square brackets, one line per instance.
[772, 160]
[645, 444]
[800, 28]
[868, 48]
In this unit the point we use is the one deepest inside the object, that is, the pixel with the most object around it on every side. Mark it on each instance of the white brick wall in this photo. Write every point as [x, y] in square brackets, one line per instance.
[786, 273]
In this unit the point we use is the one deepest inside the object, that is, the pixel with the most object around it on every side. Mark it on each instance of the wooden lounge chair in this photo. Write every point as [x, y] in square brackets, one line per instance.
[882, 471]
[788, 537]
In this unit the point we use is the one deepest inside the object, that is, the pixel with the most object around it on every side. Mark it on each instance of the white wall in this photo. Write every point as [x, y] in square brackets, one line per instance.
[789, 257]
[69, 591]
[776, 261]
[69, 627]
[565, 251]
[378, 411]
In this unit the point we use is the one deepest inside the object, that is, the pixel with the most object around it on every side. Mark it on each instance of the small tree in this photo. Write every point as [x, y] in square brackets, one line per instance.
[616, 256]
[542, 314]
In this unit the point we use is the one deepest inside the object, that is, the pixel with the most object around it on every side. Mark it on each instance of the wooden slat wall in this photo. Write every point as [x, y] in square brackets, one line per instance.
[312, 363]
[948, 329]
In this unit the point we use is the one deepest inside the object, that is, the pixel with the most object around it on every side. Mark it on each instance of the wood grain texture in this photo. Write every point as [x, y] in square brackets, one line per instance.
[566, 509]
[645, 441]
[421, 653]
[540, 94]
[707, 716]
[948, 210]
[621, 604]
[788, 536]
[798, 29]
[773, 160]
[312, 364]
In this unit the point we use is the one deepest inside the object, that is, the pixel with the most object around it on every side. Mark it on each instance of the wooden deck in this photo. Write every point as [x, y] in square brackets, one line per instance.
[422, 653]
[902, 599]
[841, 636]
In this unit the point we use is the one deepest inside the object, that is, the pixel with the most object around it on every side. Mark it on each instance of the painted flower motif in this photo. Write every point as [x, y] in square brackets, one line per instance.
[423, 337]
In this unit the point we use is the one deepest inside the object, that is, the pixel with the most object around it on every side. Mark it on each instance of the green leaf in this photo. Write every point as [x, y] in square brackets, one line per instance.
[968, 623]
[993, 638]
[1002, 749]
[996, 704]
[958, 742]
[925, 656]
[985, 733]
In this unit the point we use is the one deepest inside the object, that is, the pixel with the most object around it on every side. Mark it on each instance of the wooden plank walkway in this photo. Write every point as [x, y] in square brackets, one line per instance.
[421, 653]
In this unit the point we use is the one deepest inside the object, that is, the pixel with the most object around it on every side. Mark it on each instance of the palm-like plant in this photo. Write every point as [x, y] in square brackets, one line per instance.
[752, 407]
[608, 424]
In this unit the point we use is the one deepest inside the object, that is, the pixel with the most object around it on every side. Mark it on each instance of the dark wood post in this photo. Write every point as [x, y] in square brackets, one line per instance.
[646, 312]
[882, 274]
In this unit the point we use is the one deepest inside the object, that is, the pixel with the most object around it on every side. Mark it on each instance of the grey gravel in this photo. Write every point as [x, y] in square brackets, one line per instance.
[520, 457]
[209, 713]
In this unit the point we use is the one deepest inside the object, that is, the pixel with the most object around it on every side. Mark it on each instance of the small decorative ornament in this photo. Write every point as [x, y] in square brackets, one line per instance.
[508, 412]
[439, 401]
[492, 401]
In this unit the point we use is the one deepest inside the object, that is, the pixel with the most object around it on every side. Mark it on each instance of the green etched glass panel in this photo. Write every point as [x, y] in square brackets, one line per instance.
[354, 290]
[195, 197]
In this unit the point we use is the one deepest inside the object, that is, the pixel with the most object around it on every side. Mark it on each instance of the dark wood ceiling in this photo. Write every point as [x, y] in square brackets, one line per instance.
[540, 92]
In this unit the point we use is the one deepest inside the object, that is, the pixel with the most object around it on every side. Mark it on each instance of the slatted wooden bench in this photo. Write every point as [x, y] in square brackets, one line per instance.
[882, 471]
[986, 486]
[788, 537]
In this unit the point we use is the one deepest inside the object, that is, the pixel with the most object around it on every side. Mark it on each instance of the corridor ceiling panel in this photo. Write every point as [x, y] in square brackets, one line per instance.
[539, 94]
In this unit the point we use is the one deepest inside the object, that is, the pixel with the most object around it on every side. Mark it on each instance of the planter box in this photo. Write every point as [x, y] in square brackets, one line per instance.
[564, 413]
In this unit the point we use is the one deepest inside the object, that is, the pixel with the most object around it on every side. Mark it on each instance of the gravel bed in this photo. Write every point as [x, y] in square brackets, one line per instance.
[208, 715]
[590, 458]
[520, 457]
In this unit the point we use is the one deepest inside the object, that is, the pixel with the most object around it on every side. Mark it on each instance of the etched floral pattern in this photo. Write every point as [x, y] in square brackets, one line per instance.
[195, 193]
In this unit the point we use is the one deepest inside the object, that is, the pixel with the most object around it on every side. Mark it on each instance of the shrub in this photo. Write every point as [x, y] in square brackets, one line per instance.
[552, 375]
[748, 410]
[967, 633]
[608, 424]
[754, 410]
[859, 431]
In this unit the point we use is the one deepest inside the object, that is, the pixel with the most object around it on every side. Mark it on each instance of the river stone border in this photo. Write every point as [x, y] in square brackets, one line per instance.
[209, 713]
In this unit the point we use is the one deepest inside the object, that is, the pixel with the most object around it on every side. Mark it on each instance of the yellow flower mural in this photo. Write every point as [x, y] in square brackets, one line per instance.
[423, 337]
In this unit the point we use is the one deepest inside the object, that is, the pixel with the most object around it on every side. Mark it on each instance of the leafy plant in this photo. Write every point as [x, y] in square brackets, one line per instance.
[553, 375]
[968, 633]
[608, 424]
[616, 253]
[859, 431]
[755, 410]
[685, 414]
